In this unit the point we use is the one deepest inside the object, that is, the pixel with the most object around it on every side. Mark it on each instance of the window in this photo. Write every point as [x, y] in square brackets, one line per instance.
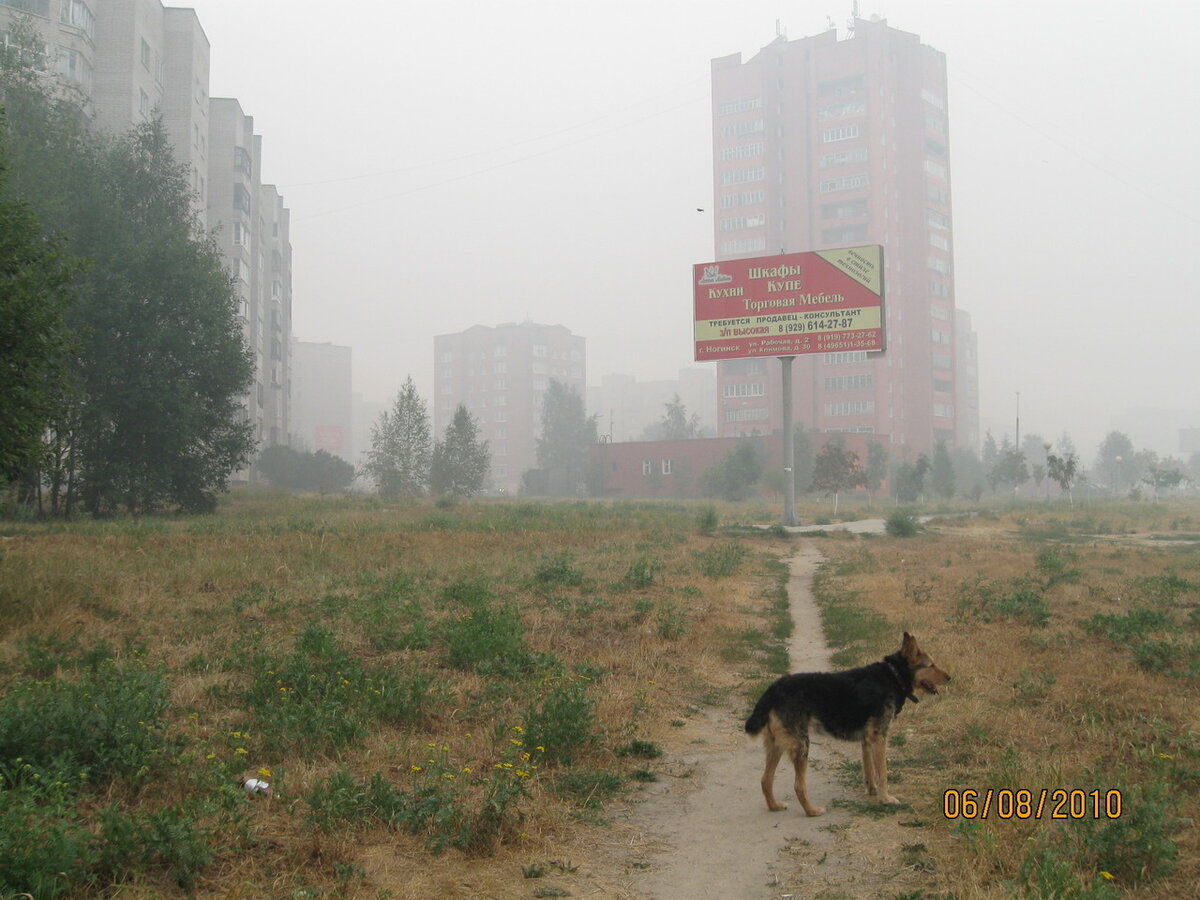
[845, 209]
[737, 106]
[501, 368]
[844, 158]
[840, 359]
[239, 234]
[741, 129]
[940, 312]
[841, 133]
[666, 467]
[242, 161]
[145, 55]
[850, 408]
[736, 223]
[938, 265]
[940, 360]
[241, 198]
[743, 176]
[744, 245]
[745, 198]
[935, 169]
[77, 14]
[845, 183]
[755, 414]
[849, 382]
[940, 337]
[845, 108]
[939, 240]
[74, 66]
[744, 389]
[143, 103]
[944, 410]
[840, 87]
[742, 151]
[647, 467]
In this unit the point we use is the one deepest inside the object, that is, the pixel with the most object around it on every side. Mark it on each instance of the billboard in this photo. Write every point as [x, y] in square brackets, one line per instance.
[822, 301]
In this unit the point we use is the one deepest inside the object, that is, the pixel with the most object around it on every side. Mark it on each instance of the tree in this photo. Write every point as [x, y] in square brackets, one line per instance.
[400, 451]
[34, 276]
[1010, 467]
[460, 461]
[1115, 460]
[941, 471]
[908, 481]
[837, 469]
[735, 476]
[1062, 471]
[302, 470]
[567, 433]
[1163, 475]
[677, 425]
[877, 467]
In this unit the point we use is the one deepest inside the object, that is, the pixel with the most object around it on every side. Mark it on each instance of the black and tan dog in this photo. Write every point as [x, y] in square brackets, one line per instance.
[854, 705]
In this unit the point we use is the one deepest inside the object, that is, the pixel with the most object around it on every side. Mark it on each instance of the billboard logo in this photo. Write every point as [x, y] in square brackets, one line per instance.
[712, 275]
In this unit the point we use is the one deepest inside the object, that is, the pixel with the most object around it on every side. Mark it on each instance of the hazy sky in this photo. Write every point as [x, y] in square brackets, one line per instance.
[457, 163]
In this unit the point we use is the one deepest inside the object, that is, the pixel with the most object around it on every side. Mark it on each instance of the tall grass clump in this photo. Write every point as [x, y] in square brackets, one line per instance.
[487, 638]
[560, 723]
[320, 696]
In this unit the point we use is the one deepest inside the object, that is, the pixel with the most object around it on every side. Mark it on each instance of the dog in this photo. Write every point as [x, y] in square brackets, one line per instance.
[854, 705]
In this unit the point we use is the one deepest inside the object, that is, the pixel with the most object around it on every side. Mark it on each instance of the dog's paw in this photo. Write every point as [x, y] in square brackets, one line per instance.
[777, 807]
[815, 810]
[890, 799]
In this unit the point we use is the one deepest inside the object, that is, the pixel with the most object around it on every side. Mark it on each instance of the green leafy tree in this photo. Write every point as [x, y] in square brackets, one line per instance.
[1115, 461]
[908, 479]
[941, 471]
[736, 475]
[562, 448]
[1010, 469]
[677, 425]
[400, 451]
[302, 470]
[837, 469]
[1062, 470]
[877, 467]
[460, 461]
[159, 363]
[34, 276]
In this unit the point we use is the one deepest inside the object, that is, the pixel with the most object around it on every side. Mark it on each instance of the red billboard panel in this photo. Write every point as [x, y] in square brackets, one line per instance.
[823, 301]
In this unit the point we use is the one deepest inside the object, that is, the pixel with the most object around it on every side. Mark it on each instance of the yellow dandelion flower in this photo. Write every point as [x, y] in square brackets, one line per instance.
[241, 751]
[211, 756]
[415, 768]
[1108, 876]
[516, 743]
[264, 772]
[466, 770]
[541, 749]
[1165, 756]
[518, 729]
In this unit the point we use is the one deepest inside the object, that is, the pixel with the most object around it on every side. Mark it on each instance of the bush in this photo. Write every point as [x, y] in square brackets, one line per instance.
[902, 523]
[561, 723]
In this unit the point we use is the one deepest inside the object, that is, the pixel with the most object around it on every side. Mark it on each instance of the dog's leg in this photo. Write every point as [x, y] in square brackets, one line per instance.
[879, 747]
[774, 754]
[800, 763]
[868, 763]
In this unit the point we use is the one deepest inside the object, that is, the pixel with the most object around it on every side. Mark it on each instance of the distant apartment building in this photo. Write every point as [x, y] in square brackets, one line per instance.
[501, 375]
[323, 399]
[625, 407]
[820, 143]
[126, 61]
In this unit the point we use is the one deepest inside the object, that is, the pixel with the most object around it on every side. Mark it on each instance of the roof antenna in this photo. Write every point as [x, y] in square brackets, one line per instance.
[853, 17]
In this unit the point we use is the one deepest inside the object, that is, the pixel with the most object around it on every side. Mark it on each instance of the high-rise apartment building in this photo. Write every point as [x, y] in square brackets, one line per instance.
[501, 375]
[822, 143]
[126, 61]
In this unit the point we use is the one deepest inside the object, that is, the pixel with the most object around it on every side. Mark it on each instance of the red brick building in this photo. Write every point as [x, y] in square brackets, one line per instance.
[821, 143]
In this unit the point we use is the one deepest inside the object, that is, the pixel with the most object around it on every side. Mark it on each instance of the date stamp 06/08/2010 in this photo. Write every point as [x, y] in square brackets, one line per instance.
[1038, 803]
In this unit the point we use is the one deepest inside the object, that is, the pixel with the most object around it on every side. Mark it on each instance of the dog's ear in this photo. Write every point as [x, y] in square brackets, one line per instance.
[909, 649]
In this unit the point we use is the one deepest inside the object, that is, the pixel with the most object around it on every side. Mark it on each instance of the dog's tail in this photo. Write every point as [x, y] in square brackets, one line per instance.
[762, 712]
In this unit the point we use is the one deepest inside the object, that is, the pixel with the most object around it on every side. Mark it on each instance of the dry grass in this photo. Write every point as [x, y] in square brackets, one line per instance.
[609, 596]
[1055, 685]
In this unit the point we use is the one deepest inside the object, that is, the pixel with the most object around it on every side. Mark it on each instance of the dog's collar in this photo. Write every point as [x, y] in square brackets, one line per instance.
[904, 689]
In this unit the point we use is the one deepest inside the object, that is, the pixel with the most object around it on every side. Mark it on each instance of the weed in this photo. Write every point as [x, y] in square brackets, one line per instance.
[640, 749]
[722, 560]
[641, 573]
[487, 639]
[560, 724]
[556, 569]
[672, 621]
[589, 788]
[706, 520]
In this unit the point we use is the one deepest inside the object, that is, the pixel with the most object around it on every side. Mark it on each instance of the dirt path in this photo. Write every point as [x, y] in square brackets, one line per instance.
[709, 831]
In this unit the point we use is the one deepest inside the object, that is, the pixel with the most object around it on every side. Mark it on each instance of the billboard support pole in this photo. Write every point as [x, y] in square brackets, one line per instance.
[789, 447]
